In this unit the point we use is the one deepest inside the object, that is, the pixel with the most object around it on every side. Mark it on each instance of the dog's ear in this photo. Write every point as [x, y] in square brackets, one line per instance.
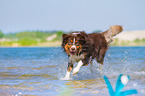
[65, 36]
[64, 39]
[84, 34]
[83, 37]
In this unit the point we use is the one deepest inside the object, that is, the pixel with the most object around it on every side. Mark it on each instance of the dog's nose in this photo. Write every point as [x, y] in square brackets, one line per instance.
[73, 48]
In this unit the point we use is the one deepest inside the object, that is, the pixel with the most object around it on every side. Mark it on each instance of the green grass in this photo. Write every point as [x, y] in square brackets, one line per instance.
[29, 38]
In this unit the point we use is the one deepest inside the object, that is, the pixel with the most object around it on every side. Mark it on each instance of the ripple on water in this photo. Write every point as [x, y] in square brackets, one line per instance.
[36, 71]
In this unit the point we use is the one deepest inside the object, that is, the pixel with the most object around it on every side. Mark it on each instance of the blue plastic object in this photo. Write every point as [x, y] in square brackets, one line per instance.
[121, 82]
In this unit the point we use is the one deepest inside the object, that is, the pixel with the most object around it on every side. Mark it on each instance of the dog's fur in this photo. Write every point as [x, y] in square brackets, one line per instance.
[83, 48]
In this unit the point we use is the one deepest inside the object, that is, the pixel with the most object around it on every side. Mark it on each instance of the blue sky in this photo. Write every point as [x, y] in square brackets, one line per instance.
[71, 15]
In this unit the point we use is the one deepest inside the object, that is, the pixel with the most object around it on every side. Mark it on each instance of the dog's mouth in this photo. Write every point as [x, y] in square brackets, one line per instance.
[72, 52]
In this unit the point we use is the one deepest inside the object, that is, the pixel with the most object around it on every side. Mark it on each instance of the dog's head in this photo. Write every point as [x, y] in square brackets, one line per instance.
[73, 43]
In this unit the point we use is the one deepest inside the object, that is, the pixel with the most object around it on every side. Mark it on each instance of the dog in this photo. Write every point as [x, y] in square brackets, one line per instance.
[83, 48]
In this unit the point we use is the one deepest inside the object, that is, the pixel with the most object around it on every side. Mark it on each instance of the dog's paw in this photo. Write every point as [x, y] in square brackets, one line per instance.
[75, 71]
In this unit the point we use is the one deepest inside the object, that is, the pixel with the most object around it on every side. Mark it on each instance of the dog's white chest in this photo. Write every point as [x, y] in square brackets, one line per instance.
[75, 58]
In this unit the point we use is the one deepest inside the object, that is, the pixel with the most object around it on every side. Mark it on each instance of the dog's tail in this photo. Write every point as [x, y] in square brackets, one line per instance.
[111, 32]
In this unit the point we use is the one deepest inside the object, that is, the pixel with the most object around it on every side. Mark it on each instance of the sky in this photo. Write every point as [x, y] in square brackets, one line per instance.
[71, 15]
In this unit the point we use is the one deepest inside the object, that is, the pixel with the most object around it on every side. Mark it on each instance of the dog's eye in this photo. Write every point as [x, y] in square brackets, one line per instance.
[77, 44]
[69, 43]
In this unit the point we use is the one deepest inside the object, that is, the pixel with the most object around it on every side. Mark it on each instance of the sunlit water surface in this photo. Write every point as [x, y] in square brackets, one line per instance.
[38, 71]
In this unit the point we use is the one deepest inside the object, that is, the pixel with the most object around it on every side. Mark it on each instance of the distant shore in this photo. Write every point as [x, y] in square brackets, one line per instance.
[129, 38]
[125, 38]
[114, 43]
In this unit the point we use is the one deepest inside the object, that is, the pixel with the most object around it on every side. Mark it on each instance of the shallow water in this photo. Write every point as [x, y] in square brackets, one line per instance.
[38, 71]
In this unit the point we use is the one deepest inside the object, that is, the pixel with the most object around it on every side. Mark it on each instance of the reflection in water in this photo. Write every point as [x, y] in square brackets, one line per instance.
[89, 87]
[85, 83]
[37, 71]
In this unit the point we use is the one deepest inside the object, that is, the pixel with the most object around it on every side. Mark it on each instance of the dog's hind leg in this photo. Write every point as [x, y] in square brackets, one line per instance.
[101, 55]
[100, 60]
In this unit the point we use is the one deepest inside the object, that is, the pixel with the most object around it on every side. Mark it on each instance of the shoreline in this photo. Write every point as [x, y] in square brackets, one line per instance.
[125, 38]
[55, 46]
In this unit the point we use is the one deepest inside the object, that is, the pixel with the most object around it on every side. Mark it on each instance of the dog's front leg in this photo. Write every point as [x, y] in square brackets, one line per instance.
[81, 63]
[69, 68]
[77, 68]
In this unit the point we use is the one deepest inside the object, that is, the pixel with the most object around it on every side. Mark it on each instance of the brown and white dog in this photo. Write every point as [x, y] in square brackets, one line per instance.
[83, 48]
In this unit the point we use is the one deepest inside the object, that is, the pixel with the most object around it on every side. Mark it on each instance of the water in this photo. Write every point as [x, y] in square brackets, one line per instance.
[38, 71]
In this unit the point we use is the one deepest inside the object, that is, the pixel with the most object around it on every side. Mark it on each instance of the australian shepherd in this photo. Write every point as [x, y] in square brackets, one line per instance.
[83, 48]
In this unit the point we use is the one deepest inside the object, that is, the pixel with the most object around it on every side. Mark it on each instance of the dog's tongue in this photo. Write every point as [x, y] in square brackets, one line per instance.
[72, 53]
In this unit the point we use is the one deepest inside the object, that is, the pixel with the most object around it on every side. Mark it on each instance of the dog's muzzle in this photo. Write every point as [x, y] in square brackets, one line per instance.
[73, 50]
